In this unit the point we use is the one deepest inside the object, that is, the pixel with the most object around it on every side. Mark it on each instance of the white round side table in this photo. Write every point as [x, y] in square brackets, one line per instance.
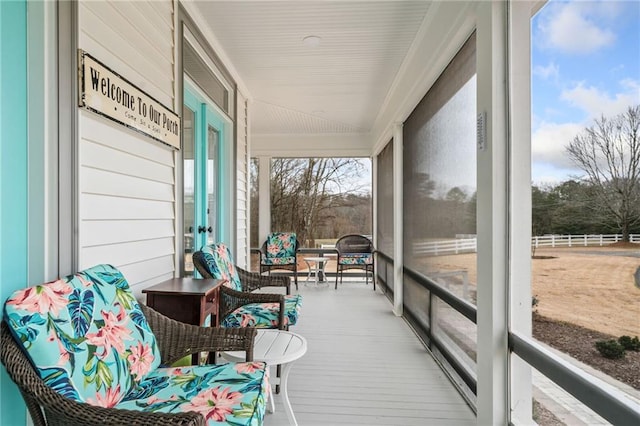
[276, 347]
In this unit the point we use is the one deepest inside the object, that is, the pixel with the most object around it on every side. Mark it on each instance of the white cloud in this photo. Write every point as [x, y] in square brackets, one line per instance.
[550, 70]
[550, 162]
[571, 29]
[596, 102]
[549, 141]
[544, 173]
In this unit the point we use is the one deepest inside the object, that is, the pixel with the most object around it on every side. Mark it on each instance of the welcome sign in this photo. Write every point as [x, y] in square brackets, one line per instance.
[107, 93]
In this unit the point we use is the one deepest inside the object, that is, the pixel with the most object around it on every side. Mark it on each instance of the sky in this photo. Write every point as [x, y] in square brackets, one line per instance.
[585, 64]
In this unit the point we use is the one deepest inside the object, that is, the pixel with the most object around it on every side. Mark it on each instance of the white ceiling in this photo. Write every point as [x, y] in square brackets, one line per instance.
[337, 87]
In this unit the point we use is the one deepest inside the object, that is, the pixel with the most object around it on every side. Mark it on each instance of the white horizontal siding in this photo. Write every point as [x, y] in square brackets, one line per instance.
[105, 132]
[126, 203]
[102, 232]
[126, 180]
[97, 181]
[147, 273]
[96, 207]
[128, 252]
[242, 152]
[124, 163]
[114, 37]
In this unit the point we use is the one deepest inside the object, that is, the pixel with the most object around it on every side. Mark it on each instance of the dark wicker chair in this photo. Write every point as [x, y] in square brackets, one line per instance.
[175, 340]
[230, 299]
[355, 251]
[284, 258]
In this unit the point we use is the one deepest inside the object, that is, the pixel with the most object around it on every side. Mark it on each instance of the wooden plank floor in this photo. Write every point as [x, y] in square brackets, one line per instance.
[364, 366]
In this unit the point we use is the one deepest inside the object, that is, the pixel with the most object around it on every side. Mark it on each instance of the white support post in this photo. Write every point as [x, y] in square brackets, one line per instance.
[492, 216]
[398, 260]
[519, 27]
[374, 199]
[264, 198]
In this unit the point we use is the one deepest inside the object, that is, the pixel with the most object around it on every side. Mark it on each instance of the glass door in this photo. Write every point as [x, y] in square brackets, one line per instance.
[203, 133]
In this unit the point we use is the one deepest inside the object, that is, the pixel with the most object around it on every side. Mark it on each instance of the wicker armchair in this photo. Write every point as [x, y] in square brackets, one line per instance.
[355, 252]
[175, 340]
[279, 251]
[214, 261]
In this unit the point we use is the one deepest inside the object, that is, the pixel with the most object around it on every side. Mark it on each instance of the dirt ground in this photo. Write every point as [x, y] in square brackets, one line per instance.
[593, 287]
[584, 294]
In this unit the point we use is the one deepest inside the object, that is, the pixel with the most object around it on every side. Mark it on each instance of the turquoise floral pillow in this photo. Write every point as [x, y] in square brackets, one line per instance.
[281, 244]
[85, 334]
[219, 265]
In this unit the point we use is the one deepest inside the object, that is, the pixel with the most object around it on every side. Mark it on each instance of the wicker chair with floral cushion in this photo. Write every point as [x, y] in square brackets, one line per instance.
[355, 252]
[239, 305]
[279, 251]
[83, 351]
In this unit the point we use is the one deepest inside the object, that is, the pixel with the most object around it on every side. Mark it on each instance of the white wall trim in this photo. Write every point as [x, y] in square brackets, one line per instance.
[316, 145]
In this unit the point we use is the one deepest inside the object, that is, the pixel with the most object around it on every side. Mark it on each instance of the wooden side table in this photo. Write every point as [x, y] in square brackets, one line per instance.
[187, 299]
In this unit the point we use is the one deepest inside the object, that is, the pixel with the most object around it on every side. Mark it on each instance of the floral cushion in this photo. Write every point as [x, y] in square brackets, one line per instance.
[219, 264]
[104, 344]
[229, 394]
[281, 244]
[264, 315]
[356, 259]
[279, 261]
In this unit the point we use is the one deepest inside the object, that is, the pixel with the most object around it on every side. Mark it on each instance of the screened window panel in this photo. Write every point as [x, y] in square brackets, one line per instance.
[385, 200]
[440, 178]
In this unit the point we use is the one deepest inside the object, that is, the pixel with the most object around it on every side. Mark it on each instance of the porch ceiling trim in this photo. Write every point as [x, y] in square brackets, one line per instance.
[311, 145]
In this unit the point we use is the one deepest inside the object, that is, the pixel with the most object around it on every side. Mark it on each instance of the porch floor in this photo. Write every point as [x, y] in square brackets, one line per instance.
[364, 366]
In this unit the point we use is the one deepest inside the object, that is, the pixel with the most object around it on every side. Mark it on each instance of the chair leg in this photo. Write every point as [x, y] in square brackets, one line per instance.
[278, 374]
[337, 273]
[373, 276]
[295, 277]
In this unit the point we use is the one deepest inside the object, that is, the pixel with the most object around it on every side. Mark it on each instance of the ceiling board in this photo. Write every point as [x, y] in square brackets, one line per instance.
[336, 87]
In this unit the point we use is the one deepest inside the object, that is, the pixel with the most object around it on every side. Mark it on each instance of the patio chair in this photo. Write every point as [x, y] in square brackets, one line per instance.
[240, 306]
[355, 252]
[279, 251]
[83, 351]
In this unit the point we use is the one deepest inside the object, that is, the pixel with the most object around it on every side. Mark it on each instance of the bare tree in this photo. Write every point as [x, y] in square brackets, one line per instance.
[609, 153]
[305, 192]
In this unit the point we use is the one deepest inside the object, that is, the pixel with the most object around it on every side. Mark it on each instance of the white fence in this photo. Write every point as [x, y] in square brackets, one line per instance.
[579, 240]
[469, 245]
[438, 248]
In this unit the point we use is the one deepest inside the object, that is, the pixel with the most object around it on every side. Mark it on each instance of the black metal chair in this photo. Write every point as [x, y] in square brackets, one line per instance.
[355, 251]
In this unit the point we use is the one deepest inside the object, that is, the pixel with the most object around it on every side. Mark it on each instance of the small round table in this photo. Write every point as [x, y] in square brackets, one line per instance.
[276, 347]
[316, 266]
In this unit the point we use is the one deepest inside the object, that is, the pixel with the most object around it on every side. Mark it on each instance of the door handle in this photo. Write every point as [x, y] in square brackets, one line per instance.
[210, 230]
[201, 229]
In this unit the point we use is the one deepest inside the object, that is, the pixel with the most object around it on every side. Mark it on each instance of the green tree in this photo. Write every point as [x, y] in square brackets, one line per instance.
[542, 211]
[572, 211]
